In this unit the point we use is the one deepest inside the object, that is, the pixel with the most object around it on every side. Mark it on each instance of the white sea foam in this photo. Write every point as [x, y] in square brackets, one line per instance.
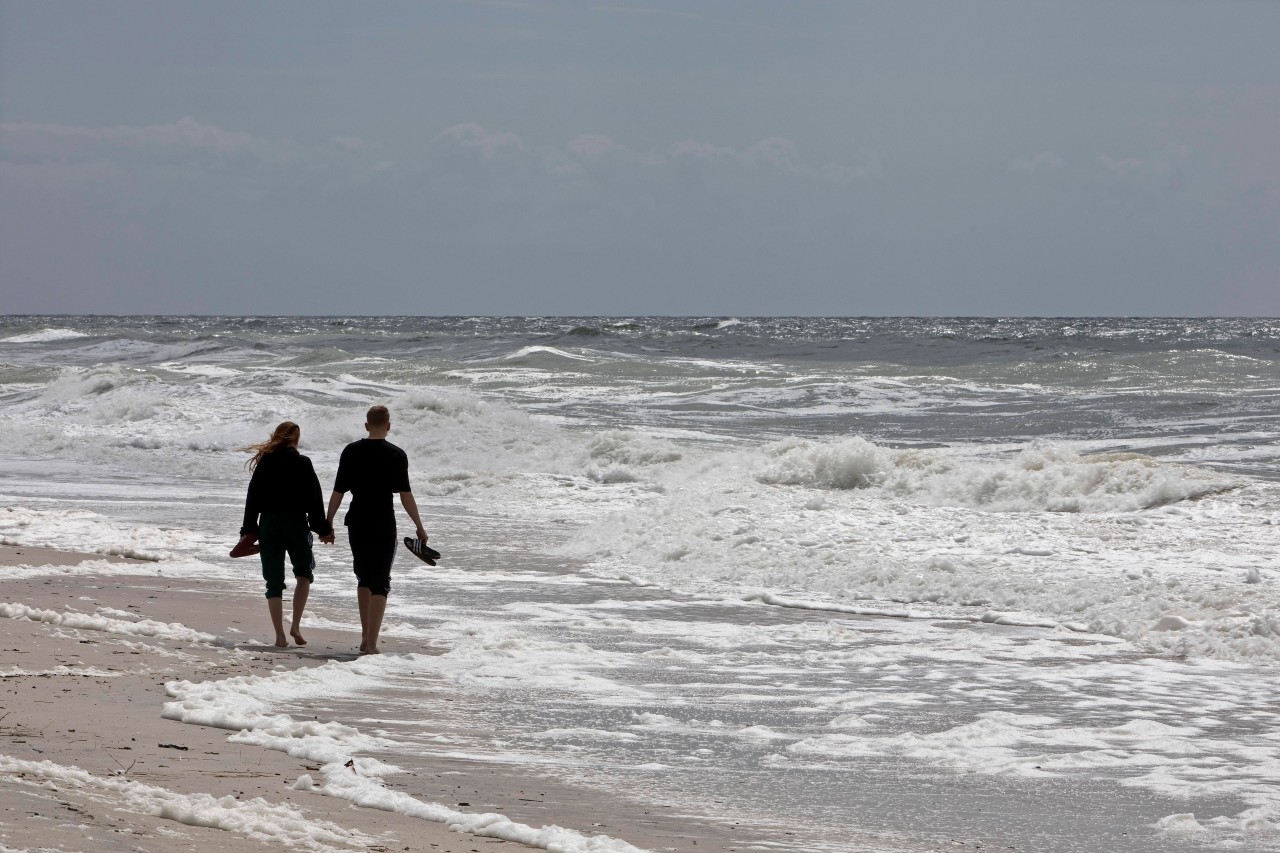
[278, 824]
[244, 704]
[86, 531]
[58, 671]
[843, 524]
[157, 424]
[1172, 760]
[106, 624]
[486, 655]
[43, 336]
[1046, 477]
[526, 352]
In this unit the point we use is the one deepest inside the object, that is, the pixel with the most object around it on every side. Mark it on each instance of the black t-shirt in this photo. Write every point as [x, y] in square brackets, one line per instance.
[372, 469]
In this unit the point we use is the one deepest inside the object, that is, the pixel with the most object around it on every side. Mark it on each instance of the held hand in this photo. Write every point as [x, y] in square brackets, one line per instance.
[328, 539]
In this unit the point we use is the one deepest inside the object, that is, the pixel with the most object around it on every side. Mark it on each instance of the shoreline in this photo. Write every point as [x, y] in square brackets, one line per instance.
[84, 663]
[12, 555]
[84, 739]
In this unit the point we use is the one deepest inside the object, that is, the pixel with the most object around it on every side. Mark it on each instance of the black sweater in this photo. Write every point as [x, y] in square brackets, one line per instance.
[284, 482]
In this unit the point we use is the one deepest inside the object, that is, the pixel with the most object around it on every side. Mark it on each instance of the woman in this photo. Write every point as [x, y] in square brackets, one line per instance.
[282, 509]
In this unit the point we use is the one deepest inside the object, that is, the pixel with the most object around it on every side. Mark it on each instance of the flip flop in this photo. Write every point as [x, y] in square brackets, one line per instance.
[422, 550]
[247, 546]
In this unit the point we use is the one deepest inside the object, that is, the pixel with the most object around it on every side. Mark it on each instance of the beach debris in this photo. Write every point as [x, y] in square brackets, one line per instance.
[172, 746]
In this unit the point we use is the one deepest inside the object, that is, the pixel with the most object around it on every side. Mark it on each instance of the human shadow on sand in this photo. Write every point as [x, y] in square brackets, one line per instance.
[298, 652]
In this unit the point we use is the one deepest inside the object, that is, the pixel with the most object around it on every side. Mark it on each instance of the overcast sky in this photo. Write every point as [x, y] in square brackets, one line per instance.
[710, 158]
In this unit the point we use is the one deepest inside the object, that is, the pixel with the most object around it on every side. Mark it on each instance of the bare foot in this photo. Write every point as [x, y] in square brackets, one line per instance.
[371, 651]
[297, 636]
[281, 642]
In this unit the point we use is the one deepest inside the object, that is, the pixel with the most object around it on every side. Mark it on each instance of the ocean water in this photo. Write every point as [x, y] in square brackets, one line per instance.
[1009, 580]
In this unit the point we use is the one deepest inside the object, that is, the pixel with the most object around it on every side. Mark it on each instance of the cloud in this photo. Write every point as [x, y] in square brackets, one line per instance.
[593, 147]
[775, 154]
[185, 145]
[466, 150]
[694, 149]
[474, 139]
[1158, 163]
[184, 133]
[209, 218]
[1045, 161]
[775, 151]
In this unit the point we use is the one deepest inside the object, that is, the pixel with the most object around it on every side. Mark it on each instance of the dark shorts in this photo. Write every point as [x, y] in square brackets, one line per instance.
[372, 552]
[279, 535]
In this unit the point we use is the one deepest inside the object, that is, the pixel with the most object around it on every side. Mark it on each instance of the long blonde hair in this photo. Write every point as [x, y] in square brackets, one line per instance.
[285, 435]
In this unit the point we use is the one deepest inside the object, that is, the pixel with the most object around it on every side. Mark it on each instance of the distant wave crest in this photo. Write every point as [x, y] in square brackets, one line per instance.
[44, 336]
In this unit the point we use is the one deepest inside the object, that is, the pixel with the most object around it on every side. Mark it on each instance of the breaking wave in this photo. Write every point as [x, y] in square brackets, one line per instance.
[43, 336]
[1042, 478]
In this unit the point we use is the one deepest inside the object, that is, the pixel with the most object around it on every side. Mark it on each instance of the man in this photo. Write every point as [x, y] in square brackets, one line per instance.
[373, 469]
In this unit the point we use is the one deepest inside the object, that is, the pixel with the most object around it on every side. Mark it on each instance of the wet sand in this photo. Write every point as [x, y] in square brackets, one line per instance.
[91, 699]
[86, 698]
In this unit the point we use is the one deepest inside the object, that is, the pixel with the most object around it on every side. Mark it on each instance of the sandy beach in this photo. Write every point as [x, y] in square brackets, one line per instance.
[89, 763]
[91, 699]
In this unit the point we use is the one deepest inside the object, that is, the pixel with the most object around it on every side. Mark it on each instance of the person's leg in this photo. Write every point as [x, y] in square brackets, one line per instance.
[356, 541]
[372, 553]
[275, 607]
[303, 559]
[375, 584]
[300, 592]
[376, 607]
[271, 553]
[362, 599]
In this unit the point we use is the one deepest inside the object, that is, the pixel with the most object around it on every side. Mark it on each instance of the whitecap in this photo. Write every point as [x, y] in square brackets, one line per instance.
[44, 336]
[526, 352]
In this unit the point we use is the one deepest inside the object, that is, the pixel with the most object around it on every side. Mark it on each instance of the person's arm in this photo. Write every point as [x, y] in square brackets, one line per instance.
[335, 501]
[411, 507]
[252, 503]
[340, 489]
[403, 488]
[316, 518]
